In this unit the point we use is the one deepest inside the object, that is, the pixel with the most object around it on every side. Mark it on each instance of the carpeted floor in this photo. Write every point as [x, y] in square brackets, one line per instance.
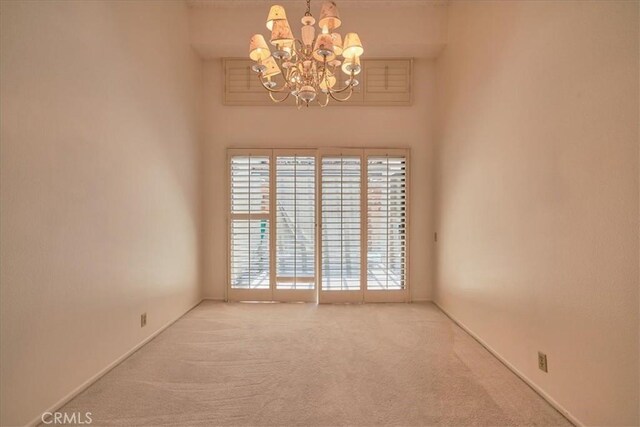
[302, 364]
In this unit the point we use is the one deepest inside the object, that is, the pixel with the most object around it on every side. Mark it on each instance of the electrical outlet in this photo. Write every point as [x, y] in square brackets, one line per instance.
[143, 320]
[542, 361]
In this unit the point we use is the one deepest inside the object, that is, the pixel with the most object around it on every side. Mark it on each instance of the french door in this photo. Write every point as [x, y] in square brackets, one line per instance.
[318, 225]
[295, 199]
[341, 219]
[250, 225]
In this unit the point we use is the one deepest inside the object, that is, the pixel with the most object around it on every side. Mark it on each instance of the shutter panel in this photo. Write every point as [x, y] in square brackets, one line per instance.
[387, 82]
[383, 82]
[341, 226]
[249, 222]
[295, 220]
[386, 223]
[242, 86]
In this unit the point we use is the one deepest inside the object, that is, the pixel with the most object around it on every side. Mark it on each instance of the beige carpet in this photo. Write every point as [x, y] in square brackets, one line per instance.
[302, 364]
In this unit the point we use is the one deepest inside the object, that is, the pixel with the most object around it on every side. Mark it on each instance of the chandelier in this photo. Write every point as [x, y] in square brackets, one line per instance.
[309, 66]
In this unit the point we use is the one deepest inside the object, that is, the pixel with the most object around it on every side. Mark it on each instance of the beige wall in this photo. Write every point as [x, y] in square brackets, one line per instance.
[278, 127]
[99, 201]
[537, 206]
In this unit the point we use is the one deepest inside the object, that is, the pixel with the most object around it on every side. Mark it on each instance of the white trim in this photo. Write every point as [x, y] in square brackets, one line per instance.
[293, 295]
[342, 296]
[564, 412]
[82, 387]
[244, 294]
[318, 294]
[402, 295]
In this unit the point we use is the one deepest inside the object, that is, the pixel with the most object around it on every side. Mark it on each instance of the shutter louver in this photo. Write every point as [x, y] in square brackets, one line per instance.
[386, 223]
[242, 85]
[250, 222]
[341, 188]
[387, 82]
[383, 82]
[295, 220]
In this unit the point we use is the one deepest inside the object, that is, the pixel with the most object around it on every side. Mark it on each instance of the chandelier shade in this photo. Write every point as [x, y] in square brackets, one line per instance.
[329, 17]
[276, 13]
[324, 48]
[352, 66]
[272, 68]
[337, 43]
[352, 46]
[329, 82]
[281, 33]
[310, 65]
[258, 48]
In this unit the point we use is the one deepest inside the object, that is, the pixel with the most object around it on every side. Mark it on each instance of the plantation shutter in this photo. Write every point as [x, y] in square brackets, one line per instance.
[387, 82]
[249, 233]
[383, 82]
[295, 220]
[341, 227]
[386, 222]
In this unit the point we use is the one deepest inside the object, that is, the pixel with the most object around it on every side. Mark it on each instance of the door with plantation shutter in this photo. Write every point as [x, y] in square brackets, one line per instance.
[327, 225]
[250, 225]
[341, 260]
[295, 256]
[386, 225]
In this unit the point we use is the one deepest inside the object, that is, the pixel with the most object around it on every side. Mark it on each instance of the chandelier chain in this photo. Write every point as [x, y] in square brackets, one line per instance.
[308, 12]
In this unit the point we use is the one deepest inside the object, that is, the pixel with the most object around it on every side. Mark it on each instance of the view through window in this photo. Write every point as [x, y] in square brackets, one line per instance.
[360, 245]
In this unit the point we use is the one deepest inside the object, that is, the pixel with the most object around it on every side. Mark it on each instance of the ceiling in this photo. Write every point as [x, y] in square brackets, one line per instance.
[360, 3]
[398, 28]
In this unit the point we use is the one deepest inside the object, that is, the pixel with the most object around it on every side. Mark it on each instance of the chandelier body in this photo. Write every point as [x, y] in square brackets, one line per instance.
[310, 65]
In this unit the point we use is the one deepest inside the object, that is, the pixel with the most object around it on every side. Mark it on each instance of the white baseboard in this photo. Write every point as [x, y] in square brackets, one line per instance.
[568, 415]
[59, 404]
[213, 299]
[222, 300]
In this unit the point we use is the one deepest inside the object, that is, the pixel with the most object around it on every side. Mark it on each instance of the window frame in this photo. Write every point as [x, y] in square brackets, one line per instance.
[334, 296]
[318, 294]
[291, 295]
[399, 295]
[236, 294]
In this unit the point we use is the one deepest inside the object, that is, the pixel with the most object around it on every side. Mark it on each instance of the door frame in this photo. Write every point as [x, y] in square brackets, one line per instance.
[317, 294]
[335, 296]
[294, 295]
[236, 294]
[401, 295]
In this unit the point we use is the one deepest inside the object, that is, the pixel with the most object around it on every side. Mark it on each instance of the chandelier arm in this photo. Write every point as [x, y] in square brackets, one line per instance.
[349, 86]
[299, 51]
[274, 99]
[291, 74]
[324, 70]
[331, 94]
[279, 90]
[326, 100]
